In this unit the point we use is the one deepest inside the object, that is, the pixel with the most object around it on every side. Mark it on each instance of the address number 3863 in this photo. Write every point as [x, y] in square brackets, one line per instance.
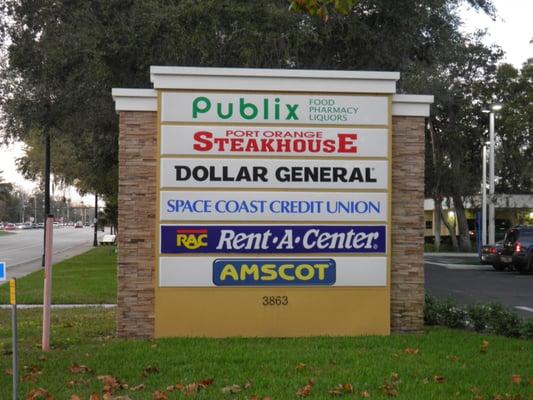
[275, 300]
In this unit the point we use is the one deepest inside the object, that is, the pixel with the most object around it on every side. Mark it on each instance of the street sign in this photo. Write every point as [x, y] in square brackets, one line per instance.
[3, 271]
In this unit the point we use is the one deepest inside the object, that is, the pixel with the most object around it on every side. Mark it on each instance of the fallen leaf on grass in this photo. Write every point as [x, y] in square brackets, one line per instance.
[75, 397]
[8, 371]
[94, 396]
[341, 389]
[110, 383]
[151, 369]
[364, 394]
[411, 351]
[516, 379]
[136, 388]
[248, 385]
[530, 381]
[79, 369]
[205, 383]
[390, 390]
[231, 389]
[39, 394]
[438, 379]
[454, 358]
[300, 366]
[306, 390]
[159, 395]
[485, 346]
[254, 397]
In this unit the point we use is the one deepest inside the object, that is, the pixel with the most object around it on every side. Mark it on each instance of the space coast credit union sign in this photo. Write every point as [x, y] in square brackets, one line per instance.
[272, 190]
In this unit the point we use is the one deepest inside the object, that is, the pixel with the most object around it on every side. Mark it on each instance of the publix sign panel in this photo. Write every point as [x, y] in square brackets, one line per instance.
[266, 190]
[276, 109]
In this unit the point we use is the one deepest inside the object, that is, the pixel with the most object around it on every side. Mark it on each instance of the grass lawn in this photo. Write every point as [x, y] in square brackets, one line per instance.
[87, 278]
[439, 364]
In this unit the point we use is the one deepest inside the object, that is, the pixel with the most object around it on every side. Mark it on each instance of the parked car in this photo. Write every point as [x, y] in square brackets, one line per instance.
[78, 225]
[490, 255]
[518, 248]
[9, 227]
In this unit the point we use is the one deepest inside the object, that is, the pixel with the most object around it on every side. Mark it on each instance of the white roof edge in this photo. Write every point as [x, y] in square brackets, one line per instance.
[121, 92]
[277, 73]
[411, 105]
[134, 99]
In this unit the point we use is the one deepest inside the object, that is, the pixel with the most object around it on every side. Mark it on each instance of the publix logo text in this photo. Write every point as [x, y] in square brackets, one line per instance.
[267, 109]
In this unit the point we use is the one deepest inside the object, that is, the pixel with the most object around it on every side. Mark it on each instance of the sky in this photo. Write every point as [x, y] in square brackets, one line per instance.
[512, 30]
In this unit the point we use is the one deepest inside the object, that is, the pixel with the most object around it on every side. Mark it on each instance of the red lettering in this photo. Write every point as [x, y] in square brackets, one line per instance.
[204, 144]
[346, 141]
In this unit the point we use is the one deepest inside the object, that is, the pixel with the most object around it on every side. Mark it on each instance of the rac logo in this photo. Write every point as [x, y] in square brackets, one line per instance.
[191, 239]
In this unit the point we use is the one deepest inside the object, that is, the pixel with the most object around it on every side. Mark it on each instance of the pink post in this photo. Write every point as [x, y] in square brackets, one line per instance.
[47, 301]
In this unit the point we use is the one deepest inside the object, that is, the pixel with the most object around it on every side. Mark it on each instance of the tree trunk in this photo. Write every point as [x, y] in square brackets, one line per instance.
[437, 218]
[451, 230]
[464, 234]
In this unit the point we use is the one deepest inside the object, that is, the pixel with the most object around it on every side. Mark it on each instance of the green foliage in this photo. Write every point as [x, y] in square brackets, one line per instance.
[490, 318]
[322, 8]
[444, 313]
[514, 90]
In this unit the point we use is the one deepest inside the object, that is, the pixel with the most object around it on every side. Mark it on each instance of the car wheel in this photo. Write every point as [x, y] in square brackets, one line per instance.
[499, 267]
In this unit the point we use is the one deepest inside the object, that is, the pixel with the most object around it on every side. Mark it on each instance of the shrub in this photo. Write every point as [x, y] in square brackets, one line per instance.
[527, 329]
[488, 318]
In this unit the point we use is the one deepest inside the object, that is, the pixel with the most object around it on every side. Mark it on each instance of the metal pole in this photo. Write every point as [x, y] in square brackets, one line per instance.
[13, 301]
[47, 298]
[95, 241]
[46, 189]
[484, 198]
[492, 231]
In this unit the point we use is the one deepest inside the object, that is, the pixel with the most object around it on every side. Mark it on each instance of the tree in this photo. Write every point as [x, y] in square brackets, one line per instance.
[514, 128]
[65, 56]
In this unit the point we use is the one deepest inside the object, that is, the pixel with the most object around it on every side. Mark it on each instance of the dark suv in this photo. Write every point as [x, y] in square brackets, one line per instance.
[518, 248]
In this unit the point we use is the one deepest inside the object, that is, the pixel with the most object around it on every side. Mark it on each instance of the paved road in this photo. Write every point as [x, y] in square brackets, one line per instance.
[468, 282]
[22, 250]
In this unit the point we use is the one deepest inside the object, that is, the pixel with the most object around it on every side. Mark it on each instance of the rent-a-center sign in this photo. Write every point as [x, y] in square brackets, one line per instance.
[273, 189]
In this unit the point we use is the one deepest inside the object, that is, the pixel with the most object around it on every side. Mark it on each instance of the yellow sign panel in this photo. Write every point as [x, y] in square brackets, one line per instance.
[12, 291]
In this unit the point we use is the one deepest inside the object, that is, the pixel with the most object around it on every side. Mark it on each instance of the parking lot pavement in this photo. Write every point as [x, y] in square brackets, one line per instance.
[466, 281]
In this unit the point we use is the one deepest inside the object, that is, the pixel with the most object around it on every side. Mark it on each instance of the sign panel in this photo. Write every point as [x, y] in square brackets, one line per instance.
[273, 206]
[274, 108]
[279, 239]
[3, 271]
[273, 141]
[273, 174]
[272, 271]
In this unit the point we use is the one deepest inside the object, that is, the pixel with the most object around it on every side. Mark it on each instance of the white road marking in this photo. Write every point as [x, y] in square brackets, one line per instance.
[524, 308]
[461, 266]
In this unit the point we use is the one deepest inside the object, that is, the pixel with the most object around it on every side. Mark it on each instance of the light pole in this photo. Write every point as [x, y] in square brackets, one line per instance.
[484, 197]
[492, 228]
